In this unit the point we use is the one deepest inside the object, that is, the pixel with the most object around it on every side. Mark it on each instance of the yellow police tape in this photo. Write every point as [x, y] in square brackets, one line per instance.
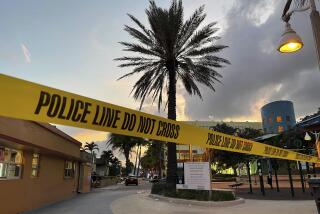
[26, 100]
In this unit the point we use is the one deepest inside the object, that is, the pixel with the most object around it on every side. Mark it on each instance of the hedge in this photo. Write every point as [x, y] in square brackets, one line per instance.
[169, 190]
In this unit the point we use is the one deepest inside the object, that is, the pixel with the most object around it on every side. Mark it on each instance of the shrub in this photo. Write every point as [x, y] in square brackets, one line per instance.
[169, 190]
[163, 189]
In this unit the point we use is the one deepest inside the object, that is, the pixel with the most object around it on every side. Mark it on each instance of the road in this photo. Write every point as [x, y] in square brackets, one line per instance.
[96, 202]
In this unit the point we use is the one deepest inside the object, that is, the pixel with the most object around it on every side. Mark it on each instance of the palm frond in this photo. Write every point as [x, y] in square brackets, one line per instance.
[190, 26]
[138, 48]
[200, 38]
[205, 50]
[145, 30]
[138, 35]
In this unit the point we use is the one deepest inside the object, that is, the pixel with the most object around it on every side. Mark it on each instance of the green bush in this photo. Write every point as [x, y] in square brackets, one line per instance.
[163, 189]
[169, 190]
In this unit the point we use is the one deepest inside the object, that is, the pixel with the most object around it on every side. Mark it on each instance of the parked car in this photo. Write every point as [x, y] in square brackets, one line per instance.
[157, 179]
[131, 180]
[154, 179]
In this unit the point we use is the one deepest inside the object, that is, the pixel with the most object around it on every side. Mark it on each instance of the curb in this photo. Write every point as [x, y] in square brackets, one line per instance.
[198, 203]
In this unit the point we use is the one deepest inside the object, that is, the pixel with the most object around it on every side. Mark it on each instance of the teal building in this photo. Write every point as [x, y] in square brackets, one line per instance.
[277, 116]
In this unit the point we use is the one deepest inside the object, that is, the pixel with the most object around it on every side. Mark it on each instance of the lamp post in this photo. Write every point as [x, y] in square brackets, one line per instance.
[290, 41]
[249, 176]
[289, 174]
[308, 138]
[261, 177]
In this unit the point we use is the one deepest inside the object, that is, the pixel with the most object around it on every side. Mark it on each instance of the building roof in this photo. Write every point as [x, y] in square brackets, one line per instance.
[58, 132]
[277, 102]
[240, 125]
[265, 137]
[310, 123]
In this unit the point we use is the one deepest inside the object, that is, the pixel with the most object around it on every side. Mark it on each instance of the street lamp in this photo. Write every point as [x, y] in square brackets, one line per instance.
[290, 41]
[307, 137]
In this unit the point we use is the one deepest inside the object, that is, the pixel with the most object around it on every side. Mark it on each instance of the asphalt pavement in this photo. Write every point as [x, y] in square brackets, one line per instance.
[96, 202]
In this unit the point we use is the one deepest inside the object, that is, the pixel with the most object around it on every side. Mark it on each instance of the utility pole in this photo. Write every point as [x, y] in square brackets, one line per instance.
[315, 23]
[290, 178]
[249, 176]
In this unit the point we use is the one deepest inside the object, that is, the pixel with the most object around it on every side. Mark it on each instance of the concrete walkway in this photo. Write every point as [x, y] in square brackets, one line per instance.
[121, 199]
[141, 203]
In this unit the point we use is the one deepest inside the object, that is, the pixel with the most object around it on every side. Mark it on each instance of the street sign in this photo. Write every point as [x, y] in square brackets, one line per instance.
[197, 175]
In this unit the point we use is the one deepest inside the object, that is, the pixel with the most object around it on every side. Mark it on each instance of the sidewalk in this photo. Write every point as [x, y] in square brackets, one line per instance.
[141, 203]
[271, 194]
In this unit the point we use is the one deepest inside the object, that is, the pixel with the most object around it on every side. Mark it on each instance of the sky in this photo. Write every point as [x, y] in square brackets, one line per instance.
[70, 45]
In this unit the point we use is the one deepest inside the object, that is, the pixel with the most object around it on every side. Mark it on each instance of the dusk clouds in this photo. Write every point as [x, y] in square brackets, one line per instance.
[259, 74]
[26, 53]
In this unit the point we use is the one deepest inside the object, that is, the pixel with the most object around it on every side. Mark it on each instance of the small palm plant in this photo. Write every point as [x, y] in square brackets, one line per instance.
[91, 147]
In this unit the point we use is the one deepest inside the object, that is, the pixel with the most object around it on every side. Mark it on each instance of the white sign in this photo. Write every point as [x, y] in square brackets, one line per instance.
[197, 175]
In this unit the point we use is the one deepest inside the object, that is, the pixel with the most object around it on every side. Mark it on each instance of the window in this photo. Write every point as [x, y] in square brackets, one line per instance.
[35, 165]
[279, 119]
[270, 129]
[280, 129]
[288, 118]
[270, 120]
[10, 163]
[69, 169]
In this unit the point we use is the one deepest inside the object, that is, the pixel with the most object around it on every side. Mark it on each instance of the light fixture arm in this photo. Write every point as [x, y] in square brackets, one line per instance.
[287, 15]
[317, 136]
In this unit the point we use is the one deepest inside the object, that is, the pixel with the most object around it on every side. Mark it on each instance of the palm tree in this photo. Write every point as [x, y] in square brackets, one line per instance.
[153, 157]
[125, 145]
[107, 156]
[91, 147]
[172, 50]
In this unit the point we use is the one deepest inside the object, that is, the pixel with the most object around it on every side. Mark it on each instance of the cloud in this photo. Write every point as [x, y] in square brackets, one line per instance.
[259, 74]
[84, 135]
[26, 53]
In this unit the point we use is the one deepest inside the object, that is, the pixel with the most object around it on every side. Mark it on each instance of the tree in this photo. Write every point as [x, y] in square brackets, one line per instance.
[171, 50]
[107, 156]
[294, 139]
[91, 147]
[112, 162]
[226, 159]
[125, 145]
[115, 167]
[153, 157]
[124, 170]
[139, 144]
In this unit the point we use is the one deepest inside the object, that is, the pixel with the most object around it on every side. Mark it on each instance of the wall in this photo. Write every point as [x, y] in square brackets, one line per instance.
[36, 135]
[28, 193]
[85, 178]
[108, 181]
[271, 111]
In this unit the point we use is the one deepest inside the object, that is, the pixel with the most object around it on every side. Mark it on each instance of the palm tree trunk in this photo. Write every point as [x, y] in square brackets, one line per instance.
[172, 155]
[235, 171]
[127, 163]
[139, 161]
[160, 161]
[92, 161]
[135, 164]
